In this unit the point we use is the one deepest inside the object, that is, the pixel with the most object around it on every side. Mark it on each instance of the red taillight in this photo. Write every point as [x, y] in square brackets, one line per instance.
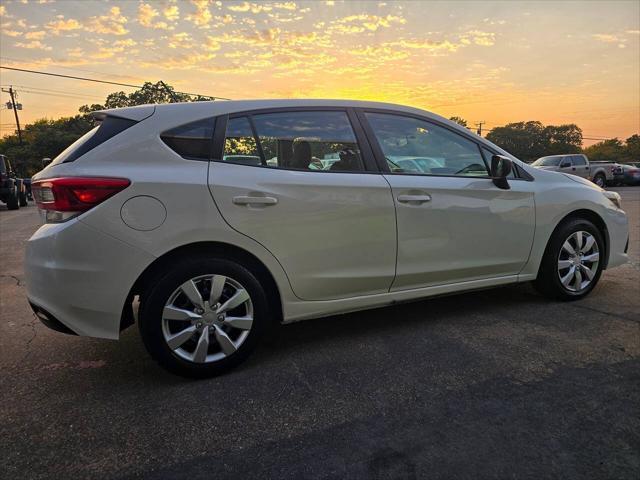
[75, 194]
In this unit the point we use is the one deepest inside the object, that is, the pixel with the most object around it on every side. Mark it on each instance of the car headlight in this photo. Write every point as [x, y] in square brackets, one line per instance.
[614, 197]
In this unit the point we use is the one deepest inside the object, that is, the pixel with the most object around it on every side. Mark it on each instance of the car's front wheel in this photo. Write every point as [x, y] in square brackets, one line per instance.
[572, 261]
[204, 317]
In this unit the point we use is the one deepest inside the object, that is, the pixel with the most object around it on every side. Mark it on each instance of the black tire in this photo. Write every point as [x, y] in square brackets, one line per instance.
[548, 281]
[600, 180]
[12, 202]
[22, 197]
[162, 287]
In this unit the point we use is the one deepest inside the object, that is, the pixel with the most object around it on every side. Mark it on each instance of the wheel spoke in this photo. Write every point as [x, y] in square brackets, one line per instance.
[588, 272]
[568, 248]
[578, 280]
[588, 243]
[241, 323]
[191, 291]
[578, 237]
[236, 300]
[174, 313]
[566, 280]
[180, 338]
[200, 353]
[217, 284]
[562, 264]
[594, 257]
[226, 344]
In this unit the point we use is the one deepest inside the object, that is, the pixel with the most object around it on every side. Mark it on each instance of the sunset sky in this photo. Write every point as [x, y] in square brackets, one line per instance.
[499, 62]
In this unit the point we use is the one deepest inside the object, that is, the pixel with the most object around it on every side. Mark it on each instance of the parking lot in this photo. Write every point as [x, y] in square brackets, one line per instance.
[499, 383]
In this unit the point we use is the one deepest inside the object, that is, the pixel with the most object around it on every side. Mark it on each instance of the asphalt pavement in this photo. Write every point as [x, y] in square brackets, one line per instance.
[494, 384]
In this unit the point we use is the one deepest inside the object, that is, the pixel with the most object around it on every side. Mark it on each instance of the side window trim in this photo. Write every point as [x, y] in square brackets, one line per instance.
[219, 134]
[256, 138]
[364, 145]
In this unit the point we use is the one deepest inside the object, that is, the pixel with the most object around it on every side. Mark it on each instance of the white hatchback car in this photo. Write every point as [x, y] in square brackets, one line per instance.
[225, 218]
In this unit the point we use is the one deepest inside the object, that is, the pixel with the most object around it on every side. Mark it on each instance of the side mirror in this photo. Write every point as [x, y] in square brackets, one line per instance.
[45, 161]
[565, 164]
[500, 170]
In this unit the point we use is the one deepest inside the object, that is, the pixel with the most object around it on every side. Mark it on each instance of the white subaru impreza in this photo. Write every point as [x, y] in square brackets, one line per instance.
[225, 218]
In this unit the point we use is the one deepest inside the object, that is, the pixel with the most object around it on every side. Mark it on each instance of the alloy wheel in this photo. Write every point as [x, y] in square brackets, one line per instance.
[207, 318]
[578, 261]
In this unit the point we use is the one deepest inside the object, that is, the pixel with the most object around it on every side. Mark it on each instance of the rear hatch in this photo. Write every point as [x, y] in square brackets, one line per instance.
[111, 123]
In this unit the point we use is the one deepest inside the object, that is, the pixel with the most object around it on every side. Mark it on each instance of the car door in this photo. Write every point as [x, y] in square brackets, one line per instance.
[301, 184]
[566, 165]
[454, 225]
[579, 166]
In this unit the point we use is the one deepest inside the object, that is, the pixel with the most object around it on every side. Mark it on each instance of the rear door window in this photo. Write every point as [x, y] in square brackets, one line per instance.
[300, 140]
[240, 145]
[579, 160]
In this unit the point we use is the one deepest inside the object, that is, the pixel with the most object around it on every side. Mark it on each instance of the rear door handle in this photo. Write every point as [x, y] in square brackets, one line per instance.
[414, 198]
[246, 200]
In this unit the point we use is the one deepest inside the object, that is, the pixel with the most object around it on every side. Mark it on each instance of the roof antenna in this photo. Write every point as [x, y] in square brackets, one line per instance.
[170, 92]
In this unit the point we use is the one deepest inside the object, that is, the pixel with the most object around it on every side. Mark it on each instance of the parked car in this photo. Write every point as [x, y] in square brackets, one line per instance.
[27, 188]
[600, 173]
[153, 204]
[631, 174]
[12, 189]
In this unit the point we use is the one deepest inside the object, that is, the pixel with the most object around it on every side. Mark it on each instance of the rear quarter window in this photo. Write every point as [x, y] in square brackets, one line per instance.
[192, 140]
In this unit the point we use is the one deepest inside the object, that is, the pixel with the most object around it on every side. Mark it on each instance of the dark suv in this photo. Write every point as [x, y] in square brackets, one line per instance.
[12, 189]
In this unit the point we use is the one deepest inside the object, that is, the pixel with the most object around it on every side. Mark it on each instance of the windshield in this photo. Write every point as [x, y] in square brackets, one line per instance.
[547, 162]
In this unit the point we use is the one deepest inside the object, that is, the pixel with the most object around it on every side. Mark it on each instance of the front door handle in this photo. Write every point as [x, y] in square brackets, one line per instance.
[247, 200]
[414, 198]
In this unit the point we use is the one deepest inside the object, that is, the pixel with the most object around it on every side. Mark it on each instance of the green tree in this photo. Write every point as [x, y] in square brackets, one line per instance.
[611, 150]
[459, 121]
[563, 139]
[531, 140]
[158, 92]
[632, 149]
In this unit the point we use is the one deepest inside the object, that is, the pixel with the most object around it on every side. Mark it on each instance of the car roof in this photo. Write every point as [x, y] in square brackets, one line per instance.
[222, 107]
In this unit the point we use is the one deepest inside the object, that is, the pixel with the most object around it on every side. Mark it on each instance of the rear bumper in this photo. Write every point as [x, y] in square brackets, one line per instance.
[79, 278]
[50, 321]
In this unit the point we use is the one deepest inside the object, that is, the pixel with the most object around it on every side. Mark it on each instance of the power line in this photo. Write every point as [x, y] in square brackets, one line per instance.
[49, 90]
[100, 81]
[13, 59]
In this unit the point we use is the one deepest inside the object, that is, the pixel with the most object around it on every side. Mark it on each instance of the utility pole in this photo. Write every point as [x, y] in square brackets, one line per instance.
[15, 110]
[479, 125]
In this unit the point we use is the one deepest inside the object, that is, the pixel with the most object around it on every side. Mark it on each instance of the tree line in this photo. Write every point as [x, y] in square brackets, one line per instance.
[525, 140]
[531, 140]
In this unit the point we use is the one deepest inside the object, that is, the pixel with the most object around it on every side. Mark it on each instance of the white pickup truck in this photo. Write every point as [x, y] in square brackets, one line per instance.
[600, 173]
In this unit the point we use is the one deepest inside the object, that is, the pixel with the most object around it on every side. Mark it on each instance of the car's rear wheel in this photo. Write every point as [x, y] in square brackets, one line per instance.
[204, 317]
[600, 180]
[22, 197]
[572, 263]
